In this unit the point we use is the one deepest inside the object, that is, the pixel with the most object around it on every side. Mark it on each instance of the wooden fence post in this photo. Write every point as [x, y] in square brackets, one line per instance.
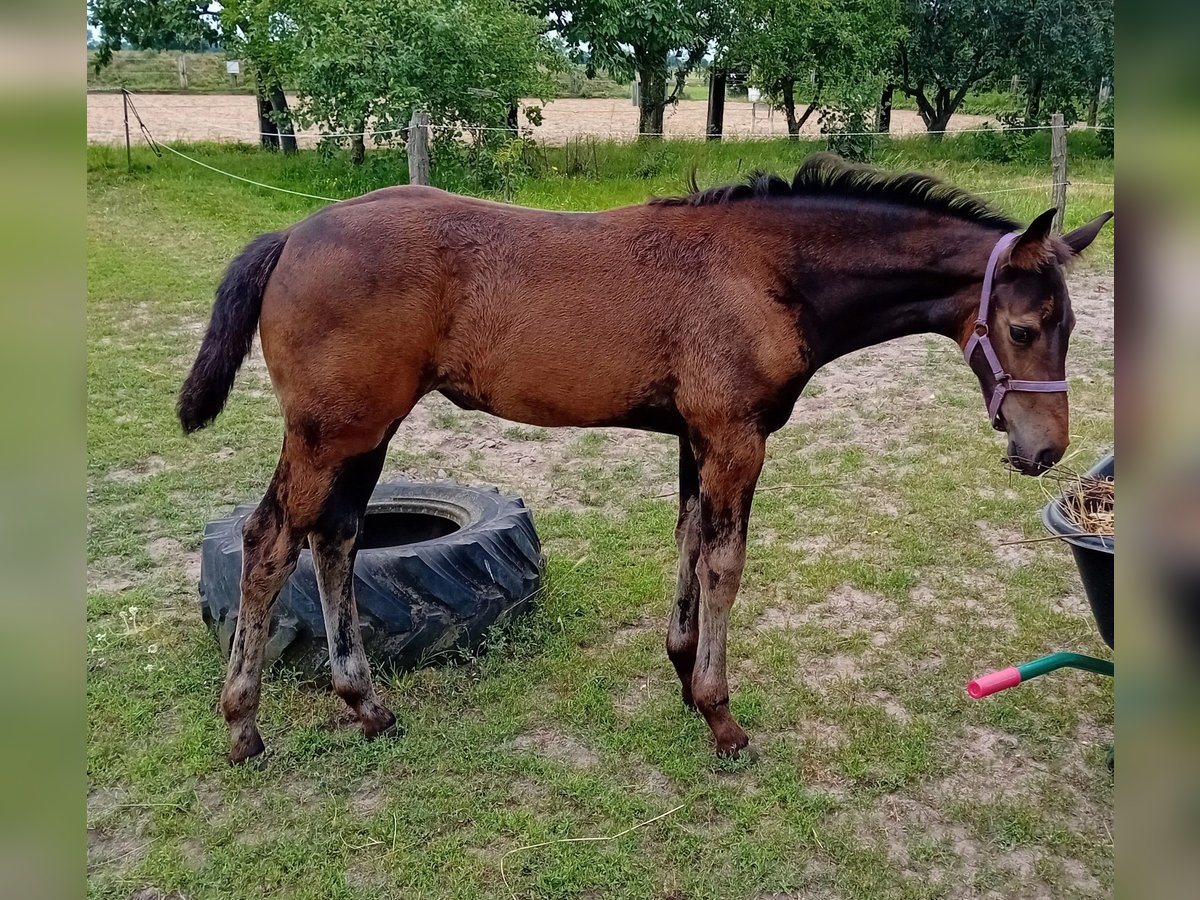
[418, 148]
[716, 104]
[128, 146]
[1058, 161]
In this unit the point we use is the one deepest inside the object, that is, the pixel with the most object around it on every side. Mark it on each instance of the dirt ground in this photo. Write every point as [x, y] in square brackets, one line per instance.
[217, 117]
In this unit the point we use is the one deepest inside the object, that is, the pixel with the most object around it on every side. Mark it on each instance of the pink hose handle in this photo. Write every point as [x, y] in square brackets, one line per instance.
[993, 682]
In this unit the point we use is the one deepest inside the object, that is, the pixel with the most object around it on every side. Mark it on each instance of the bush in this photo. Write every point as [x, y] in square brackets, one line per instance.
[1012, 142]
[848, 127]
[1107, 135]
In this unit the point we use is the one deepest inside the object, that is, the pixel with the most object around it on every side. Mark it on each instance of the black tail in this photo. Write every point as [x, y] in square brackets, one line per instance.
[230, 332]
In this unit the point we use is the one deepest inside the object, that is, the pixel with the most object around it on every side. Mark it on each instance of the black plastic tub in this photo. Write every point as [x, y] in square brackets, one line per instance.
[1093, 555]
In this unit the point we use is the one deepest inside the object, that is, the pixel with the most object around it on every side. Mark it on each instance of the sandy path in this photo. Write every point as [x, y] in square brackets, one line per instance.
[232, 117]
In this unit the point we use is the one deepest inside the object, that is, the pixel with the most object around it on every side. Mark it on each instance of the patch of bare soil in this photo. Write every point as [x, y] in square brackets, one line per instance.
[975, 599]
[114, 849]
[1003, 542]
[919, 841]
[168, 551]
[553, 466]
[147, 468]
[823, 671]
[630, 701]
[368, 799]
[111, 575]
[1092, 300]
[558, 747]
[844, 607]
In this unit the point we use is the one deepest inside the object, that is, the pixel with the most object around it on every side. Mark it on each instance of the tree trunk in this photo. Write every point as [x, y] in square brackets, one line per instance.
[789, 108]
[937, 116]
[358, 147]
[283, 119]
[1093, 108]
[652, 100]
[268, 133]
[716, 104]
[1033, 101]
[512, 122]
[883, 121]
[939, 123]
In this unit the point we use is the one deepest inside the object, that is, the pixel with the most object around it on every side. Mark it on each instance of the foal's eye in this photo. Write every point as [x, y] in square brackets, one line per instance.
[1020, 334]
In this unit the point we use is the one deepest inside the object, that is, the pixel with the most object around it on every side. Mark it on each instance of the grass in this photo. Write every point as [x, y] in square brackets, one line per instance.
[871, 596]
[152, 71]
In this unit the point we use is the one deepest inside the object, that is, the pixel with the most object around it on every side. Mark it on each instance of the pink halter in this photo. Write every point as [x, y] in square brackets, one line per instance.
[980, 340]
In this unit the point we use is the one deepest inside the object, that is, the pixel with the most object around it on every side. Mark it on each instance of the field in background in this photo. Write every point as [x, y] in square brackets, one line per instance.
[152, 71]
[229, 117]
[879, 579]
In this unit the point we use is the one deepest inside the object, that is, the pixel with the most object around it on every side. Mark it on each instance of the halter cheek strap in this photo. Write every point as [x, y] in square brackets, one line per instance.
[981, 341]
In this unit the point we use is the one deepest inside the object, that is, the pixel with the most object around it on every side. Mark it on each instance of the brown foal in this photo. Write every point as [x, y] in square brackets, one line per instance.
[701, 317]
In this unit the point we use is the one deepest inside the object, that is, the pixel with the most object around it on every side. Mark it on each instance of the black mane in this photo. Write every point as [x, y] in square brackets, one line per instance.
[828, 175]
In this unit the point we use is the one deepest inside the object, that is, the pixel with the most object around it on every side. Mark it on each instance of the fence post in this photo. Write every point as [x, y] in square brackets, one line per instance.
[128, 151]
[418, 148]
[716, 104]
[1058, 161]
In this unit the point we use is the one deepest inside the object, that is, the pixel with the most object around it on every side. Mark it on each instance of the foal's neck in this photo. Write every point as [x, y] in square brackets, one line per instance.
[864, 281]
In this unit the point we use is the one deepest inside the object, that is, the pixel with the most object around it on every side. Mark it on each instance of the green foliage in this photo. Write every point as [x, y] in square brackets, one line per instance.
[846, 122]
[1063, 52]
[1004, 145]
[151, 25]
[820, 46]
[622, 36]
[359, 65]
[656, 40]
[1107, 134]
[1061, 49]
[950, 46]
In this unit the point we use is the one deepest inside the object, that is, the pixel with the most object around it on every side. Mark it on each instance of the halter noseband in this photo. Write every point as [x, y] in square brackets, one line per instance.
[980, 340]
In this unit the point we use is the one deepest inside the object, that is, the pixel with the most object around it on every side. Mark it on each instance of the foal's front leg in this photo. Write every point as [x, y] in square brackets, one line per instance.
[729, 469]
[683, 632]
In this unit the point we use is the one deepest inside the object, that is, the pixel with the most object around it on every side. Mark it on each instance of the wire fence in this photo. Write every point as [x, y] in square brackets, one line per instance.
[234, 118]
[129, 105]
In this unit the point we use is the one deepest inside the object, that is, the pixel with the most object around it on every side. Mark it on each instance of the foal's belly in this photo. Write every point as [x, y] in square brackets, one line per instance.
[555, 403]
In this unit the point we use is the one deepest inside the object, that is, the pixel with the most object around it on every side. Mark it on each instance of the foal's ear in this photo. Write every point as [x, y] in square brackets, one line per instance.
[1081, 238]
[1033, 249]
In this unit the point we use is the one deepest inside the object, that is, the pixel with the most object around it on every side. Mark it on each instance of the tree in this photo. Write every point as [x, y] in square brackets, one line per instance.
[952, 45]
[636, 38]
[1064, 54]
[372, 62]
[825, 46]
[151, 25]
[252, 29]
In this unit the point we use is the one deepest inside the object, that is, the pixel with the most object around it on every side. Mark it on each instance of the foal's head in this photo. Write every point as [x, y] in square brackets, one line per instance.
[1029, 322]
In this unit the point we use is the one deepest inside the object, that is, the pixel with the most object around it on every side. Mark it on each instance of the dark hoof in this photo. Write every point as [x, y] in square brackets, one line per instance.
[380, 722]
[731, 742]
[744, 753]
[246, 748]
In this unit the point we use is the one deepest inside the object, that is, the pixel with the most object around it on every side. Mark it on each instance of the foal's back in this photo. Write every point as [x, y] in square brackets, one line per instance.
[548, 318]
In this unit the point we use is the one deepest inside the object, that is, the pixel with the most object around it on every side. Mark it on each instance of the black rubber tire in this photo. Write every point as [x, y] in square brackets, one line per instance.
[416, 601]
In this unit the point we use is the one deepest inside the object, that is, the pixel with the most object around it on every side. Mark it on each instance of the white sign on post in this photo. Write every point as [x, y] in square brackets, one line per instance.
[233, 67]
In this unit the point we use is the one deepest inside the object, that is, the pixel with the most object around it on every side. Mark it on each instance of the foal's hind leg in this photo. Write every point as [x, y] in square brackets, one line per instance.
[271, 541]
[334, 542]
[684, 628]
